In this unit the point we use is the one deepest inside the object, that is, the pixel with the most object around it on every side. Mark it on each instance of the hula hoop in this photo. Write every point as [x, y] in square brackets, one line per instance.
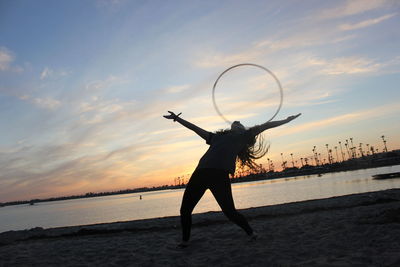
[254, 65]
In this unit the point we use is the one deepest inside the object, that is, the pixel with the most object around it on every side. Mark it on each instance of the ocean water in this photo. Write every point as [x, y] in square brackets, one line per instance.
[167, 202]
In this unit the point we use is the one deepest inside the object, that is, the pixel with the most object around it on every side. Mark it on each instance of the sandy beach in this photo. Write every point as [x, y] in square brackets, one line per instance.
[355, 230]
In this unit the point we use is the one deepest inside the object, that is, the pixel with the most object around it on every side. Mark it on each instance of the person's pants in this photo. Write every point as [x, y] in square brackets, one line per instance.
[218, 182]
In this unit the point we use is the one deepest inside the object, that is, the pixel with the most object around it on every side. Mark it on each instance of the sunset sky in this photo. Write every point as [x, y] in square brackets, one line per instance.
[84, 85]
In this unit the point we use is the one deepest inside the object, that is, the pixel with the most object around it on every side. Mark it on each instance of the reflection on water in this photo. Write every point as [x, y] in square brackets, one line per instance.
[167, 203]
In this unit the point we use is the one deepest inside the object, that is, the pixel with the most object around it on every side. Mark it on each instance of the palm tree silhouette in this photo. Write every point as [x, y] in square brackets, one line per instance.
[384, 143]
[353, 149]
[329, 157]
[291, 154]
[347, 148]
[315, 156]
[337, 157]
[283, 162]
[361, 150]
[341, 150]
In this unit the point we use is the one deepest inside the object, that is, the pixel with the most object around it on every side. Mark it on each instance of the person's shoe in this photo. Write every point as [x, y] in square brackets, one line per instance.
[183, 244]
[253, 237]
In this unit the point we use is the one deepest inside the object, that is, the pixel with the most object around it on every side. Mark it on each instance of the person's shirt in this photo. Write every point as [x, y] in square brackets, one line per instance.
[223, 150]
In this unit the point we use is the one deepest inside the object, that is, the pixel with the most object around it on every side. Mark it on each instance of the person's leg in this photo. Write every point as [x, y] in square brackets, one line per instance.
[222, 191]
[193, 193]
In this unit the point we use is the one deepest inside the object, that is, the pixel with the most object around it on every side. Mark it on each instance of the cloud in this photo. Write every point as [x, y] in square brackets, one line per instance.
[92, 106]
[352, 7]
[318, 95]
[6, 60]
[176, 89]
[391, 66]
[47, 103]
[267, 48]
[294, 40]
[350, 65]
[360, 115]
[212, 59]
[100, 111]
[110, 81]
[365, 23]
[342, 65]
[42, 102]
[314, 36]
[46, 73]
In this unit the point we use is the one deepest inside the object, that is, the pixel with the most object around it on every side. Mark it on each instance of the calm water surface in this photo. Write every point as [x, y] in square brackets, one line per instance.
[167, 203]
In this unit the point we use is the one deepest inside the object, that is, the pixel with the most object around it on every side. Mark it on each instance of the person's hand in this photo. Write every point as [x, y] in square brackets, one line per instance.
[290, 118]
[172, 116]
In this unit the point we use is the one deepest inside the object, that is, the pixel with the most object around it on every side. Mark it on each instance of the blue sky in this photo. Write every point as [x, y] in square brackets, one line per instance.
[84, 84]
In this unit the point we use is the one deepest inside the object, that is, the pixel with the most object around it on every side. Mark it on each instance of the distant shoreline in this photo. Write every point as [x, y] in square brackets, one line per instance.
[377, 160]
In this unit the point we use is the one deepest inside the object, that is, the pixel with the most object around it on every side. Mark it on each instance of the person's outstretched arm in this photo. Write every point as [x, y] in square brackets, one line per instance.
[201, 132]
[271, 124]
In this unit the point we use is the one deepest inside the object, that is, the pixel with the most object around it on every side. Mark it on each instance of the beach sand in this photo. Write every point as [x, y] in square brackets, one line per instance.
[355, 230]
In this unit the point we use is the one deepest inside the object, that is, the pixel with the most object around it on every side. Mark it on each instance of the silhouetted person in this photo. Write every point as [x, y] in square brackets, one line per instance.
[212, 172]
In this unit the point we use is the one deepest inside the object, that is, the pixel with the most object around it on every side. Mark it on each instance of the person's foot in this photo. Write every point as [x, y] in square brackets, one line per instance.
[253, 237]
[183, 244]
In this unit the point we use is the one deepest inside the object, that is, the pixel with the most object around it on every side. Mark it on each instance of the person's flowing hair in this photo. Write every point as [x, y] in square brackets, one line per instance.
[255, 149]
